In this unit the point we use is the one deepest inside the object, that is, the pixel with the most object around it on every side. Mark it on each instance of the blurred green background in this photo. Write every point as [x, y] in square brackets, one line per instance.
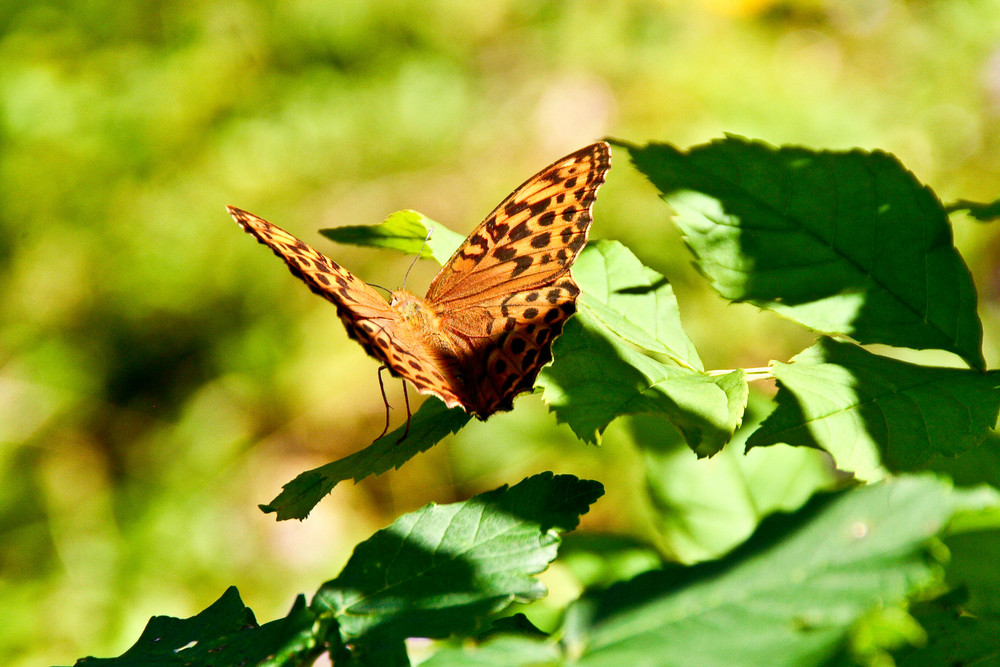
[161, 373]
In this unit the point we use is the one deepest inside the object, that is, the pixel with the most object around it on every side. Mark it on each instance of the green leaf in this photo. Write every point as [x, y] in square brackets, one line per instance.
[842, 242]
[632, 300]
[598, 373]
[791, 594]
[870, 411]
[979, 465]
[503, 651]
[428, 426]
[879, 631]
[444, 569]
[381, 654]
[225, 634]
[953, 638]
[703, 509]
[406, 231]
[517, 624]
[983, 212]
[597, 377]
[598, 560]
[973, 566]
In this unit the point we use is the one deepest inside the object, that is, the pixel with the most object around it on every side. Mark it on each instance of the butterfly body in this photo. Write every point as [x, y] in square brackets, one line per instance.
[485, 328]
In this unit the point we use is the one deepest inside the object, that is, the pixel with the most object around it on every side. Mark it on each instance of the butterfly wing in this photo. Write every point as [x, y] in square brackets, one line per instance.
[505, 293]
[368, 318]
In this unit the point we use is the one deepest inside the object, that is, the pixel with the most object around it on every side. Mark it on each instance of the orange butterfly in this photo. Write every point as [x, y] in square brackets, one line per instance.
[485, 328]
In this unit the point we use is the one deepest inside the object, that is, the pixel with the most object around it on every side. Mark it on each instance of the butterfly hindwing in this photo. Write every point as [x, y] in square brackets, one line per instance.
[520, 344]
[531, 238]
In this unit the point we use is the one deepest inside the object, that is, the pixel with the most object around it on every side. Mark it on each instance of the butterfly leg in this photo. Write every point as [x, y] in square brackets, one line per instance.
[406, 397]
[381, 387]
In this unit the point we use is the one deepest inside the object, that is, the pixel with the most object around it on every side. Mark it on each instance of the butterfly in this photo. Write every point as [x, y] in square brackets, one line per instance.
[486, 326]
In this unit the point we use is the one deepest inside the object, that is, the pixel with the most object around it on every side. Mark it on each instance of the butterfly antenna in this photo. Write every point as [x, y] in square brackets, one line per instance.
[381, 388]
[387, 291]
[412, 264]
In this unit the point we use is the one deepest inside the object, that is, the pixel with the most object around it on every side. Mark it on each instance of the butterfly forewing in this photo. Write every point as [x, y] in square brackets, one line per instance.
[531, 237]
[323, 276]
[507, 290]
[365, 314]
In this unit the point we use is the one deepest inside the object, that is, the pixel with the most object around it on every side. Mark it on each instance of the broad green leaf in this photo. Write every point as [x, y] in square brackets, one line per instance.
[870, 411]
[791, 594]
[981, 211]
[842, 242]
[597, 377]
[428, 426]
[633, 301]
[702, 509]
[444, 568]
[225, 634]
[406, 231]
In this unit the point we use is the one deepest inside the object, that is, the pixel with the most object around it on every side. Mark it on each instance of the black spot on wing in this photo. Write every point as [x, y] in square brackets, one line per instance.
[514, 207]
[496, 230]
[540, 206]
[521, 264]
[504, 253]
[576, 244]
[519, 231]
[541, 240]
[475, 247]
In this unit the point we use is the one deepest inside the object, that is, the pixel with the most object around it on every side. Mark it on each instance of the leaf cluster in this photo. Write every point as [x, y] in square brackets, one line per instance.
[870, 561]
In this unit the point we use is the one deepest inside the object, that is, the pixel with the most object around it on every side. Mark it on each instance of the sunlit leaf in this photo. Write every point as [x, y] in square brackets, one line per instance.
[842, 242]
[791, 594]
[432, 422]
[702, 509]
[598, 377]
[407, 231]
[444, 568]
[634, 301]
[870, 411]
